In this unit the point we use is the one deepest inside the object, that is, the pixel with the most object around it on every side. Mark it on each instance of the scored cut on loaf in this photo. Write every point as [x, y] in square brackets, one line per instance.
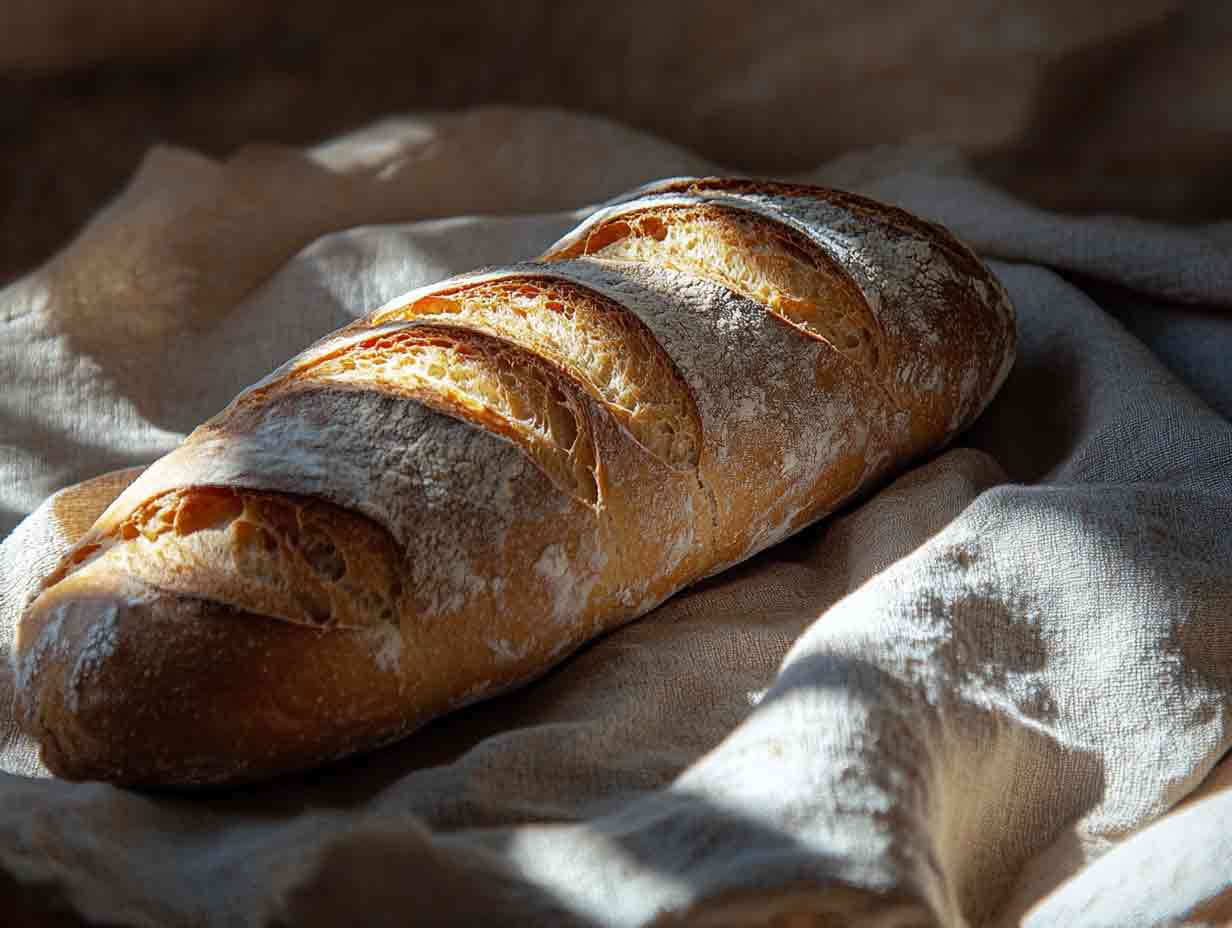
[445, 498]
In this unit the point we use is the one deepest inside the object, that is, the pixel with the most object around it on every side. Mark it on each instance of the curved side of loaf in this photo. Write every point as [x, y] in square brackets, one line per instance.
[444, 499]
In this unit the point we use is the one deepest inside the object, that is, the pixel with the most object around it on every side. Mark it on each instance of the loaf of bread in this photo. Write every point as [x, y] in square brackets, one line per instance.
[445, 498]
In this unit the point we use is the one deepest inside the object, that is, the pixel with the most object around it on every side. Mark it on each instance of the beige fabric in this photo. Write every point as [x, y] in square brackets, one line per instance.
[941, 704]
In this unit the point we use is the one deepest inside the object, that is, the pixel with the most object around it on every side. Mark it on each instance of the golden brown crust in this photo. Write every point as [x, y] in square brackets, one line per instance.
[873, 210]
[444, 499]
[300, 559]
[601, 344]
[179, 691]
[944, 333]
[765, 261]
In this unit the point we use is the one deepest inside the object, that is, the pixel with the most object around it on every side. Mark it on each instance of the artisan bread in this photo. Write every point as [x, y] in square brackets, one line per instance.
[445, 498]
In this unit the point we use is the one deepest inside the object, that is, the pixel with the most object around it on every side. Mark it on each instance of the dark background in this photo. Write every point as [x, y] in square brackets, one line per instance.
[1098, 106]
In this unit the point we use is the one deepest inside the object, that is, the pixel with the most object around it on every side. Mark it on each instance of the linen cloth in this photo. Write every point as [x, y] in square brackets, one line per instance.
[971, 700]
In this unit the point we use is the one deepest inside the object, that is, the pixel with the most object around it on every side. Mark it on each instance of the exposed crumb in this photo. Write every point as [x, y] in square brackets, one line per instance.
[603, 344]
[482, 378]
[767, 261]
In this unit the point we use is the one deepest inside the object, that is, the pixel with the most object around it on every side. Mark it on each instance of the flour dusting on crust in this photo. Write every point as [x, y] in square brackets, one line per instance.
[98, 644]
[387, 648]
